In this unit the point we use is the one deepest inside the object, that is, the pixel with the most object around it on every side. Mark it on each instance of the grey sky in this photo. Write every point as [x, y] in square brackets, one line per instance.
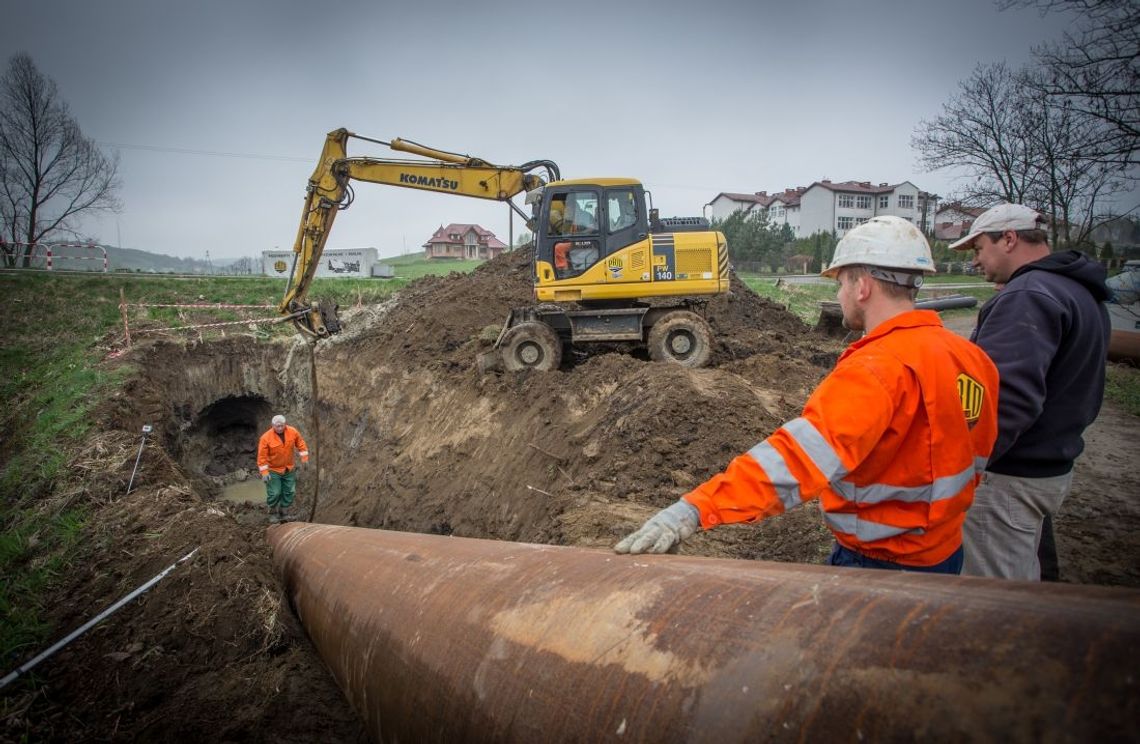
[693, 99]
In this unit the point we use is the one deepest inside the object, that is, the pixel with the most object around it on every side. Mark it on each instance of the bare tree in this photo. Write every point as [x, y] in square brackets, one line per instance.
[980, 131]
[1069, 181]
[1019, 146]
[1095, 69]
[50, 174]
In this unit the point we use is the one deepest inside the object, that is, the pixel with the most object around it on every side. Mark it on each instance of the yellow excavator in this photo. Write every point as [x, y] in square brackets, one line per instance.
[606, 269]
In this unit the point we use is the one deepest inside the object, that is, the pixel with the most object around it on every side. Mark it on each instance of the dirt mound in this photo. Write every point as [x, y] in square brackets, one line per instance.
[575, 456]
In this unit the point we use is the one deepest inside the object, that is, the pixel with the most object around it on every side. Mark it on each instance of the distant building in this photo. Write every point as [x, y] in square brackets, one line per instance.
[357, 262]
[954, 220]
[463, 241]
[832, 207]
[725, 203]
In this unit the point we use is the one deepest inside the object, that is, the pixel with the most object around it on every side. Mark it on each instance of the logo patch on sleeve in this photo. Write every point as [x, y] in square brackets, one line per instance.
[971, 393]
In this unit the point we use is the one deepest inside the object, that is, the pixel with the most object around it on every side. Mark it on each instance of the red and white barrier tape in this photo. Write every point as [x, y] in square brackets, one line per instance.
[201, 305]
[213, 325]
[53, 246]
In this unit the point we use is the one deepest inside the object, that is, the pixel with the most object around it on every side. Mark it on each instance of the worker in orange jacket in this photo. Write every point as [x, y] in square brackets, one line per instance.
[276, 461]
[892, 442]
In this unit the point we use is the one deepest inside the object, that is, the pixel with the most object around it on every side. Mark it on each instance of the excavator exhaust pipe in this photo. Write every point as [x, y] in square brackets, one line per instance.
[451, 639]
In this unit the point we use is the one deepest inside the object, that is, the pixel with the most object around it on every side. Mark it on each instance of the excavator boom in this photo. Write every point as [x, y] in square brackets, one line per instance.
[329, 191]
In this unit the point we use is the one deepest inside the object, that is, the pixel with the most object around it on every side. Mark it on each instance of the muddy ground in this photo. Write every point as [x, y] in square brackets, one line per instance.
[408, 435]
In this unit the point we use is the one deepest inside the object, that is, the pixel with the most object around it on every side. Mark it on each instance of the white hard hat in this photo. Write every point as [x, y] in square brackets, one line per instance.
[888, 242]
[278, 419]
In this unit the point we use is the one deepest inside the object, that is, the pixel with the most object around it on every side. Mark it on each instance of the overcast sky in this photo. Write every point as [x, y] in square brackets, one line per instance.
[219, 110]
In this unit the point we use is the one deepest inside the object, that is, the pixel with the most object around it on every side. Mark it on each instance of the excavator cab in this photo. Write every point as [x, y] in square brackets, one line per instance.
[581, 224]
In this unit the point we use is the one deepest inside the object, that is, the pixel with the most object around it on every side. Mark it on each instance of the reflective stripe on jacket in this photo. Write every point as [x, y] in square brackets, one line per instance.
[892, 442]
[277, 455]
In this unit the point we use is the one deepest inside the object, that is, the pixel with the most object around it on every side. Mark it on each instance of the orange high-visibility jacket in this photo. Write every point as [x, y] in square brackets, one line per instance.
[277, 455]
[892, 442]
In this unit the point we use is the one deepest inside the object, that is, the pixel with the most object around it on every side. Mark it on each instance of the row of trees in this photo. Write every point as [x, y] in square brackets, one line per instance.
[1059, 135]
[756, 245]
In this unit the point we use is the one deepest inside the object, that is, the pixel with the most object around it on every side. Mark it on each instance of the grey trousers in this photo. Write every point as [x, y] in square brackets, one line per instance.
[1003, 526]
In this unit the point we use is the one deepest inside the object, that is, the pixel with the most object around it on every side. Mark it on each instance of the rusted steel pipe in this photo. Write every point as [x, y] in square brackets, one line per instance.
[451, 639]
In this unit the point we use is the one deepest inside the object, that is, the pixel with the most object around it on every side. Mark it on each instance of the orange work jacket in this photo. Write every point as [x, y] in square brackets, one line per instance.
[277, 455]
[892, 442]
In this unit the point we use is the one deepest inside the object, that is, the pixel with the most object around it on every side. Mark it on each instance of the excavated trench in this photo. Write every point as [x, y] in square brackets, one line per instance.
[412, 437]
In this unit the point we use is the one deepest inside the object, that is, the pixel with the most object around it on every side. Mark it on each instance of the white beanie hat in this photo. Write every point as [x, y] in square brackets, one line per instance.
[278, 419]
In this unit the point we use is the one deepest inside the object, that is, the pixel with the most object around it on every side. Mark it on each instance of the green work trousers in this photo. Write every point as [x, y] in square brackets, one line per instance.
[281, 488]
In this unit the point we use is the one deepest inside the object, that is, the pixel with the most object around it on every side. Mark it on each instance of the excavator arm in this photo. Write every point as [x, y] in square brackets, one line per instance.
[330, 190]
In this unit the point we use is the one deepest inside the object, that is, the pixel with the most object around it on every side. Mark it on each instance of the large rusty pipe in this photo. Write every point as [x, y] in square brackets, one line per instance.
[452, 639]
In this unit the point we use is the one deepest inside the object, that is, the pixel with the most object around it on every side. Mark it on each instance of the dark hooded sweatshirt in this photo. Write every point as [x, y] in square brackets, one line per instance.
[1047, 332]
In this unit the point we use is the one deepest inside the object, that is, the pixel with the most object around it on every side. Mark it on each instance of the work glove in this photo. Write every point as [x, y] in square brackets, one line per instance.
[664, 530]
[265, 478]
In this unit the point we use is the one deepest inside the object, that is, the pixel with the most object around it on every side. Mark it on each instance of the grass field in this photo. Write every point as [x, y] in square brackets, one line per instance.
[803, 299]
[414, 266]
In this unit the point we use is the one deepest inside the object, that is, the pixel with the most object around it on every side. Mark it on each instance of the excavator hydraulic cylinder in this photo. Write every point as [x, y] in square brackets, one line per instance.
[452, 639]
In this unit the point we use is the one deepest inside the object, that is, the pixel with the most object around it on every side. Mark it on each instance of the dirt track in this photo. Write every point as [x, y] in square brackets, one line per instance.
[413, 438]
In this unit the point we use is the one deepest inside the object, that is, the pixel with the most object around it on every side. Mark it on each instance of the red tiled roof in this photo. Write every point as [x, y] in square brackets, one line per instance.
[958, 207]
[484, 236]
[791, 197]
[860, 187]
[760, 197]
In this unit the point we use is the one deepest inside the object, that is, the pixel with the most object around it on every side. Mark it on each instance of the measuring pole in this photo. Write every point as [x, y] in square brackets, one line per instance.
[145, 431]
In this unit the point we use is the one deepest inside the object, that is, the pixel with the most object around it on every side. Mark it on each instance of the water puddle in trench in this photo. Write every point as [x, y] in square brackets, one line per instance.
[245, 492]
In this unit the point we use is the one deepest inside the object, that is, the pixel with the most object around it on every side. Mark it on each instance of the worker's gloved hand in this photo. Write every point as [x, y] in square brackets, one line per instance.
[664, 530]
[265, 478]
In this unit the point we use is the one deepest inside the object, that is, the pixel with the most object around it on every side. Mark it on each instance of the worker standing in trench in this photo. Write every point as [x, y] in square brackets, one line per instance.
[276, 461]
[892, 442]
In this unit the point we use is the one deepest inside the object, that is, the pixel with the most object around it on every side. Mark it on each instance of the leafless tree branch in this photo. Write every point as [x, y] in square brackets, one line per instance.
[50, 174]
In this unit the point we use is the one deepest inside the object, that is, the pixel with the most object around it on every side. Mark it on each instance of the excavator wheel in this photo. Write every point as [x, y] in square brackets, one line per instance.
[531, 345]
[680, 337]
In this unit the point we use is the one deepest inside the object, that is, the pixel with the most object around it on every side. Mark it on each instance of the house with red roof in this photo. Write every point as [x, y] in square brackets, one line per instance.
[725, 203]
[463, 241]
[827, 206]
[954, 220]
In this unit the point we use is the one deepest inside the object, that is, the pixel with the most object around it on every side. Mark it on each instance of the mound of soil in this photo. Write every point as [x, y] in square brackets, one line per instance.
[577, 456]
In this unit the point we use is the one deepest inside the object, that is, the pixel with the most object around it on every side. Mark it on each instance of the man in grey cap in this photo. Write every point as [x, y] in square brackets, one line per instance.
[1047, 331]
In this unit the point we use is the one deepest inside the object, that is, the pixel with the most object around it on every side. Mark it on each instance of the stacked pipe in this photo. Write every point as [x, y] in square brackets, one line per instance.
[452, 639]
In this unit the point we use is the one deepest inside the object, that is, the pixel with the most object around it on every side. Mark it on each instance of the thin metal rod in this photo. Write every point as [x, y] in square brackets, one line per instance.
[13, 676]
[137, 458]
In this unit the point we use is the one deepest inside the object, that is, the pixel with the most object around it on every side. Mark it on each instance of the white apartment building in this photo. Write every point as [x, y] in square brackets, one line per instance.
[825, 206]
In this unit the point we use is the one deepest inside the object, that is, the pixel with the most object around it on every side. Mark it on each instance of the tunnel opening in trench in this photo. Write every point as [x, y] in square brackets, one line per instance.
[222, 439]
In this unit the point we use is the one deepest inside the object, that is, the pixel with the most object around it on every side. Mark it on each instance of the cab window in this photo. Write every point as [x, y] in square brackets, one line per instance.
[621, 209]
[575, 213]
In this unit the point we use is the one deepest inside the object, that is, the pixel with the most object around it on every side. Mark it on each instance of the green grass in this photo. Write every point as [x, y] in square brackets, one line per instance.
[803, 299]
[1122, 386]
[415, 266]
